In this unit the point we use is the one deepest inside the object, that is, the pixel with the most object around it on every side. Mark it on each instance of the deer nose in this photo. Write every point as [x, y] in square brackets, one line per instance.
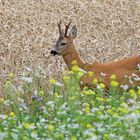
[53, 52]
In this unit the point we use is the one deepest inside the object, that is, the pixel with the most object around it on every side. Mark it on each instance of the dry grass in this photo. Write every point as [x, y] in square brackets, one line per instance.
[107, 30]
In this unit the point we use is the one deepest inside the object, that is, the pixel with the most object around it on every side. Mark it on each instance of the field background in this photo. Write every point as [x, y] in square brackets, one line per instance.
[107, 30]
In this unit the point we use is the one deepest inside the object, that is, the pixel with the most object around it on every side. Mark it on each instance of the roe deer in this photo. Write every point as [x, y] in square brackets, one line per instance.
[121, 68]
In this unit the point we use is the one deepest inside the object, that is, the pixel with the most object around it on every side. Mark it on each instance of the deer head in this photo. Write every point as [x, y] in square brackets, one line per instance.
[65, 41]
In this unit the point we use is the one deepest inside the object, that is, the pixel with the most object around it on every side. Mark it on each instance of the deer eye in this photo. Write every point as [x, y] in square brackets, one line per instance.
[63, 43]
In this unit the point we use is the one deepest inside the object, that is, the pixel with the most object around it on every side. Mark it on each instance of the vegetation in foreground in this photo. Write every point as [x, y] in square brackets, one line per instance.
[67, 112]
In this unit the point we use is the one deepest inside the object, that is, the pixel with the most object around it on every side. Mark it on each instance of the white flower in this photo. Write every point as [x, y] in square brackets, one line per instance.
[35, 92]
[132, 118]
[94, 110]
[124, 87]
[59, 84]
[82, 70]
[130, 101]
[64, 106]
[62, 112]
[20, 100]
[42, 120]
[27, 79]
[51, 104]
[73, 126]
[28, 69]
[34, 135]
[138, 67]
[103, 74]
[93, 137]
[2, 135]
[135, 77]
[124, 105]
[2, 116]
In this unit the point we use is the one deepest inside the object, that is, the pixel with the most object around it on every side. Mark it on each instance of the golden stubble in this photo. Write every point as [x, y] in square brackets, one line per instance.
[107, 30]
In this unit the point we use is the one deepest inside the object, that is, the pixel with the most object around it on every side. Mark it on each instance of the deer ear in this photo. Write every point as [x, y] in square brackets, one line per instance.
[73, 32]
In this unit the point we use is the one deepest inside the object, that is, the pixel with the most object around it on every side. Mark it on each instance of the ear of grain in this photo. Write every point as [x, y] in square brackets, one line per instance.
[107, 30]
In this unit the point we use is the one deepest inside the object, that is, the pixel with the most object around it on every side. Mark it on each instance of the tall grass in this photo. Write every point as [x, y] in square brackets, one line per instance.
[67, 112]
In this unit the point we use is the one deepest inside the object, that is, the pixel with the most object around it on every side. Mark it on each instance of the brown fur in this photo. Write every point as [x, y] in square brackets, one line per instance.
[120, 68]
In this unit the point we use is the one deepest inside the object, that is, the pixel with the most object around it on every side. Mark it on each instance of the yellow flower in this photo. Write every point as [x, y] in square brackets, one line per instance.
[12, 114]
[85, 88]
[52, 81]
[99, 99]
[71, 72]
[114, 84]
[56, 94]
[11, 75]
[32, 124]
[8, 83]
[139, 91]
[87, 110]
[123, 110]
[90, 73]
[64, 72]
[137, 111]
[72, 98]
[110, 111]
[102, 85]
[106, 137]
[132, 92]
[95, 81]
[1, 100]
[61, 136]
[5, 116]
[66, 78]
[74, 62]
[85, 92]
[26, 125]
[41, 93]
[99, 113]
[80, 73]
[50, 127]
[73, 138]
[122, 98]
[108, 100]
[113, 77]
[115, 115]
[88, 126]
[87, 104]
[75, 68]
[89, 92]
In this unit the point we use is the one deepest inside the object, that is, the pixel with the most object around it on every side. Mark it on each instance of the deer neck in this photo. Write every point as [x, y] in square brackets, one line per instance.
[71, 56]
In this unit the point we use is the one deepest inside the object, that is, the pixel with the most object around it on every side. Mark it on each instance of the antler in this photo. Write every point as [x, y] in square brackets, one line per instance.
[59, 27]
[67, 27]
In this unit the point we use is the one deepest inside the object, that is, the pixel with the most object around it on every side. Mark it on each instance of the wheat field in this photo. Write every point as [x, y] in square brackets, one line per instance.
[107, 30]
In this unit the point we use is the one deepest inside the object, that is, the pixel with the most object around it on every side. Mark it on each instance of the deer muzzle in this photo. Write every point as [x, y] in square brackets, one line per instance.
[53, 52]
